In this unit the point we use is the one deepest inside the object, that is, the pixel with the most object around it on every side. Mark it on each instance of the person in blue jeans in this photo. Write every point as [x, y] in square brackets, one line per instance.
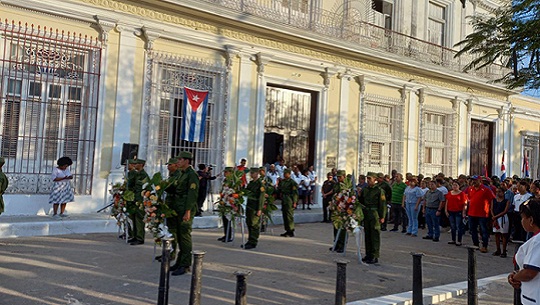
[434, 204]
[411, 202]
[456, 209]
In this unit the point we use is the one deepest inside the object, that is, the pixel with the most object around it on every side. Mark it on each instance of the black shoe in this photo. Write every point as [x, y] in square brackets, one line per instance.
[137, 242]
[366, 258]
[403, 231]
[291, 233]
[221, 238]
[309, 208]
[435, 239]
[131, 240]
[230, 240]
[123, 236]
[286, 234]
[158, 258]
[249, 246]
[181, 270]
[324, 221]
[394, 230]
[328, 221]
[383, 229]
[427, 237]
[372, 261]
[174, 267]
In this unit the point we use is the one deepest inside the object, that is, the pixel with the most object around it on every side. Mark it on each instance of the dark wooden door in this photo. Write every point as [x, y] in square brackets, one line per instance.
[481, 147]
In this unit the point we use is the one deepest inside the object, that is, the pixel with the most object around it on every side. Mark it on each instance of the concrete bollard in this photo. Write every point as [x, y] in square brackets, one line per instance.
[472, 284]
[517, 291]
[341, 281]
[163, 291]
[196, 278]
[241, 287]
[417, 295]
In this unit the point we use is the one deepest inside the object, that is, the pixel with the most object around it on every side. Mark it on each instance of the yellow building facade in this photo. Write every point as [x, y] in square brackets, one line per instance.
[360, 85]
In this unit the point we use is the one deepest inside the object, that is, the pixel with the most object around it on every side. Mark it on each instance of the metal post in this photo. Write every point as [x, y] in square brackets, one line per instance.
[517, 291]
[417, 295]
[472, 285]
[241, 287]
[341, 281]
[163, 291]
[196, 277]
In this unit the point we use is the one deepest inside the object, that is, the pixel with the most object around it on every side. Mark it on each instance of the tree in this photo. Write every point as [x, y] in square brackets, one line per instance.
[511, 36]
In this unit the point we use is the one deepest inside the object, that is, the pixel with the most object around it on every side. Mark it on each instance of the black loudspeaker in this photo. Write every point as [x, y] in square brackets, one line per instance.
[129, 151]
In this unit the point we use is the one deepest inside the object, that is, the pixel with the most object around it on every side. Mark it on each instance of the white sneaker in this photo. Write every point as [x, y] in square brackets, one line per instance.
[56, 216]
[64, 214]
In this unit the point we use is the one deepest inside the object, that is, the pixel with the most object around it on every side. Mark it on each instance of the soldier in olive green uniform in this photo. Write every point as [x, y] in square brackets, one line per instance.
[374, 201]
[227, 172]
[255, 194]
[288, 189]
[171, 201]
[340, 244]
[385, 186]
[3, 184]
[138, 179]
[269, 190]
[185, 205]
[130, 205]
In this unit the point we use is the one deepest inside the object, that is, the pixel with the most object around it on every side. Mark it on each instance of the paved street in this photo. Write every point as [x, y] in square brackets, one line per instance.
[96, 269]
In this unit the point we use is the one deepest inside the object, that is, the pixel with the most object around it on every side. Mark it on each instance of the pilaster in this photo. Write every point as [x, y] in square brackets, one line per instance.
[361, 80]
[345, 78]
[421, 102]
[244, 108]
[261, 60]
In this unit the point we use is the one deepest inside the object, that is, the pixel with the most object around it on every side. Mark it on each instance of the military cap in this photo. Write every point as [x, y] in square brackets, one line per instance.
[262, 168]
[254, 169]
[371, 174]
[341, 173]
[172, 161]
[2, 160]
[229, 169]
[380, 175]
[140, 161]
[185, 155]
[287, 171]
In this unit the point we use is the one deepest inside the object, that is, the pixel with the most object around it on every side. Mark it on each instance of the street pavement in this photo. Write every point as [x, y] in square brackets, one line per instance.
[93, 269]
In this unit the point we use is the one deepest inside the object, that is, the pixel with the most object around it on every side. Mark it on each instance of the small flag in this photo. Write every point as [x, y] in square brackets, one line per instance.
[525, 169]
[485, 170]
[194, 115]
[503, 169]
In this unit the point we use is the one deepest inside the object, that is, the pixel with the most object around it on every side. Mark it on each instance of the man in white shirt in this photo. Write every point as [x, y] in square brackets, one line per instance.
[280, 167]
[522, 196]
[273, 174]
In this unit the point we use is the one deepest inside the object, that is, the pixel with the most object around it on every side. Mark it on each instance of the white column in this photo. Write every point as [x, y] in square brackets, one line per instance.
[258, 151]
[343, 119]
[244, 109]
[413, 132]
[361, 104]
[421, 100]
[124, 96]
[468, 136]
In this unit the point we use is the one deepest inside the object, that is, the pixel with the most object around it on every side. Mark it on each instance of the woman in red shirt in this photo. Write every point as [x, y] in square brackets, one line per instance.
[456, 209]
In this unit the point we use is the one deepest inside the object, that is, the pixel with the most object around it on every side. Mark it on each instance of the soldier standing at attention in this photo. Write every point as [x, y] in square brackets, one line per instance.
[385, 186]
[374, 201]
[171, 201]
[227, 173]
[327, 191]
[187, 190]
[255, 193]
[138, 179]
[288, 189]
[3, 184]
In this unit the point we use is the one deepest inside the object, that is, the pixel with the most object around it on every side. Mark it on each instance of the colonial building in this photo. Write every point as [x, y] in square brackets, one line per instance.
[361, 85]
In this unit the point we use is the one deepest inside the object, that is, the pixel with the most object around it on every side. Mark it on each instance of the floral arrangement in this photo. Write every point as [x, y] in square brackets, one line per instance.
[119, 199]
[231, 197]
[155, 209]
[346, 211]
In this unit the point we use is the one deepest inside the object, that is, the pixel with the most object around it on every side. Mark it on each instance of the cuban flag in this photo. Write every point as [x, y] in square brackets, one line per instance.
[194, 115]
[503, 169]
[525, 169]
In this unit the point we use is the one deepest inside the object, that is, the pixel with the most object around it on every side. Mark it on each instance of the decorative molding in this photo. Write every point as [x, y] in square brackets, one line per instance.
[375, 98]
[149, 36]
[361, 80]
[438, 109]
[469, 104]
[327, 75]
[104, 26]
[261, 60]
[230, 53]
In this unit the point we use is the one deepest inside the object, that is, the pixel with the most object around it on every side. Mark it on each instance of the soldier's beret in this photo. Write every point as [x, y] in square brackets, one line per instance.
[254, 170]
[371, 174]
[262, 168]
[229, 169]
[340, 173]
[172, 161]
[380, 175]
[185, 155]
[140, 161]
[2, 160]
[287, 171]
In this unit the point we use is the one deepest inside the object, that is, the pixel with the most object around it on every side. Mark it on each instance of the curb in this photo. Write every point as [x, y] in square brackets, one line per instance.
[432, 295]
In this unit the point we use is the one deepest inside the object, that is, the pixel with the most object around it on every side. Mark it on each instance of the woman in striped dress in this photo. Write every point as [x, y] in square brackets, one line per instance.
[62, 192]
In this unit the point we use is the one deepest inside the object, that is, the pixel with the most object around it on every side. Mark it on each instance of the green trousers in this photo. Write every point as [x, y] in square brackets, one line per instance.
[136, 230]
[254, 225]
[182, 245]
[372, 230]
[288, 212]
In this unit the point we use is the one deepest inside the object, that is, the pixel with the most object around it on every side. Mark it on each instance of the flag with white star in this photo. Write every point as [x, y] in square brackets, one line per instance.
[194, 115]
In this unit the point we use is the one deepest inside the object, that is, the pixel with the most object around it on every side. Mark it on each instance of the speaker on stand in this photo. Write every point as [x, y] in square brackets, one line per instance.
[129, 151]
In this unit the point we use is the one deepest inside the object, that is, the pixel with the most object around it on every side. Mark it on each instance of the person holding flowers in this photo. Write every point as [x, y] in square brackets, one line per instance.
[255, 192]
[136, 179]
[229, 198]
[288, 189]
[373, 200]
[268, 206]
[339, 206]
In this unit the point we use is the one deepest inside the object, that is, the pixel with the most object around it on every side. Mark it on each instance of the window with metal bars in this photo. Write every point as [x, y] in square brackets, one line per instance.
[438, 144]
[48, 92]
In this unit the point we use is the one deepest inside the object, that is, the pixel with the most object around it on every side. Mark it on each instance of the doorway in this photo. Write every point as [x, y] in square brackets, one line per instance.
[481, 148]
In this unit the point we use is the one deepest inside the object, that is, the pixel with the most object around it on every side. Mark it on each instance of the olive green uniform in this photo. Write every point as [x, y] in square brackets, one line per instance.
[136, 180]
[255, 193]
[374, 202]
[185, 190]
[3, 186]
[340, 244]
[388, 194]
[288, 188]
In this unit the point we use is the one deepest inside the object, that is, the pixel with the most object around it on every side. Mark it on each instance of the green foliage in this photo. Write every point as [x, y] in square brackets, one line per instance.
[511, 36]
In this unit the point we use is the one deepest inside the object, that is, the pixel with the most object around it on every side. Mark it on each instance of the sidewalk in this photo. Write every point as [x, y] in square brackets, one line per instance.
[100, 269]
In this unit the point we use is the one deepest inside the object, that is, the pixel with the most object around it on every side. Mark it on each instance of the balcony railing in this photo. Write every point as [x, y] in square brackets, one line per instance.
[345, 27]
